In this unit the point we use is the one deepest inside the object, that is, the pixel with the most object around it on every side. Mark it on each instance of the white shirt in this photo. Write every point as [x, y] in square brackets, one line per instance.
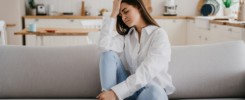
[147, 61]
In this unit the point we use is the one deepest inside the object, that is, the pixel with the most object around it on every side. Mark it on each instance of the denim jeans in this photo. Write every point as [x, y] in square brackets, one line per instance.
[113, 72]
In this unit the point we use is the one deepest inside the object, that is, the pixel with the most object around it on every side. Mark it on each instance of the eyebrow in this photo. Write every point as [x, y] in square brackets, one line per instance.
[123, 9]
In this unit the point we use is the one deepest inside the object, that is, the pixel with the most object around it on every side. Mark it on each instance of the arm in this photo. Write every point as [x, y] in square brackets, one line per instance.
[110, 40]
[155, 62]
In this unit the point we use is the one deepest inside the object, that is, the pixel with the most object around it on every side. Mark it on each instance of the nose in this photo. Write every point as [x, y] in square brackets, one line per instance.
[124, 17]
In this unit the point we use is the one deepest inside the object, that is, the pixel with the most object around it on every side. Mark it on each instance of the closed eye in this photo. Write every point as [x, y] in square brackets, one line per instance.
[125, 11]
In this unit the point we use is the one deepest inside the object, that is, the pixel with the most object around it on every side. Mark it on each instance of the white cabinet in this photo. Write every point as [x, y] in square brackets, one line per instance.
[193, 36]
[227, 33]
[196, 35]
[176, 30]
[65, 23]
[213, 34]
[180, 31]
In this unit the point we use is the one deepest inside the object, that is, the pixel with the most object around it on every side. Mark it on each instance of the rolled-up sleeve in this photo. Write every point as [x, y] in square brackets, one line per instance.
[109, 39]
[156, 61]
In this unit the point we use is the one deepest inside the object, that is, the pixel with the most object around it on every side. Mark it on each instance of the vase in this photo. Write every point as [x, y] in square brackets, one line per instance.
[33, 12]
[227, 11]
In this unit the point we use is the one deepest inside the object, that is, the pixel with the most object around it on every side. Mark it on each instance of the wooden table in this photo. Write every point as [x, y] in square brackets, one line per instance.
[58, 32]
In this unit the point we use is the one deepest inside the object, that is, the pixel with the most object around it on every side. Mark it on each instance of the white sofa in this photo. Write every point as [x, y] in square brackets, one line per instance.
[199, 72]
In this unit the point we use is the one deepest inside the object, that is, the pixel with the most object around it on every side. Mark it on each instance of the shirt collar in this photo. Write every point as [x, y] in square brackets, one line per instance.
[149, 29]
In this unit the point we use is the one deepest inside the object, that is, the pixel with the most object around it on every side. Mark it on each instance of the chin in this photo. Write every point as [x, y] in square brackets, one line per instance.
[130, 25]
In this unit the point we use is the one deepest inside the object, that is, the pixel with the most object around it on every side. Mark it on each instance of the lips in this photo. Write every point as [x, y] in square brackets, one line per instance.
[127, 21]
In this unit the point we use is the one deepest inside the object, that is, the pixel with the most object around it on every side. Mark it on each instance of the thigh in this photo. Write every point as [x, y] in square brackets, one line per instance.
[135, 95]
[152, 92]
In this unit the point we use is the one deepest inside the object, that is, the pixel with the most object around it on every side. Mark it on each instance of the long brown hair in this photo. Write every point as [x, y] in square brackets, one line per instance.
[122, 28]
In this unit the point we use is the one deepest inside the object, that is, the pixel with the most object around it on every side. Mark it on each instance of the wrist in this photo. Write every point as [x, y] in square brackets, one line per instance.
[114, 94]
[114, 15]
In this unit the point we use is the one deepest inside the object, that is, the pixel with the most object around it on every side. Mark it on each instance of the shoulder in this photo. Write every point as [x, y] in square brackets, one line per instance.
[160, 33]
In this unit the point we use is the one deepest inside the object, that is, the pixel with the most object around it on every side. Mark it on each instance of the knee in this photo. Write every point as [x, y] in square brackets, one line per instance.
[156, 92]
[109, 54]
[153, 89]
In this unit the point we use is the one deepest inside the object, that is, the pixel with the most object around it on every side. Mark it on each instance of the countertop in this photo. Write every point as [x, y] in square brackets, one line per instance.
[95, 17]
[235, 24]
[220, 22]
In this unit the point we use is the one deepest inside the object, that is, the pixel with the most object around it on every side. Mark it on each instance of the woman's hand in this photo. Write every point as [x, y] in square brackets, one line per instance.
[116, 8]
[107, 95]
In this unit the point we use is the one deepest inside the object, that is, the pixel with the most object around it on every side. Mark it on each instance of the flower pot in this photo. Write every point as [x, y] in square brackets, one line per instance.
[227, 11]
[33, 12]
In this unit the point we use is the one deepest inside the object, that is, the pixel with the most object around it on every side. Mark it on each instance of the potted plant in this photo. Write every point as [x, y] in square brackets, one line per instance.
[32, 7]
[227, 5]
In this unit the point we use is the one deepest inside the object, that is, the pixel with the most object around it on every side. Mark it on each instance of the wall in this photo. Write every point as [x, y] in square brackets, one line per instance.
[11, 12]
[185, 7]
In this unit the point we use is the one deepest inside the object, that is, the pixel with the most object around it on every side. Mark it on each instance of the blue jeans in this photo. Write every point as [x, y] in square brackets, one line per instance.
[113, 72]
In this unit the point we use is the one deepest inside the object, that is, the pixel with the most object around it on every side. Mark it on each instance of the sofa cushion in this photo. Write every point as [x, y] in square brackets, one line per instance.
[46, 72]
[209, 71]
[215, 99]
[170, 99]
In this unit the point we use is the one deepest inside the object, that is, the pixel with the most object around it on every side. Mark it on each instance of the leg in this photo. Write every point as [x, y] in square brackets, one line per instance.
[152, 92]
[112, 71]
[122, 74]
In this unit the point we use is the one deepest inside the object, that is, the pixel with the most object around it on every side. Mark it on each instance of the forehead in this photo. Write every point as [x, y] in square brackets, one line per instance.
[125, 5]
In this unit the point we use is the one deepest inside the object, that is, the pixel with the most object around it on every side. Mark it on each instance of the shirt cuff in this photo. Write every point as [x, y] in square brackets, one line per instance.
[121, 90]
[108, 26]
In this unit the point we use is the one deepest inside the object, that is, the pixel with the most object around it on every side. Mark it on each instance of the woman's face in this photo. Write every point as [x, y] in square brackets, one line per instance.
[130, 14]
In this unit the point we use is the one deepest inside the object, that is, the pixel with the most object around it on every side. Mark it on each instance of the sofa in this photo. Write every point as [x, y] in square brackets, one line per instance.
[199, 72]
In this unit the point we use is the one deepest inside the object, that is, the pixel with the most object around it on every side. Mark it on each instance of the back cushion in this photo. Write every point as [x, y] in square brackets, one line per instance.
[209, 71]
[49, 72]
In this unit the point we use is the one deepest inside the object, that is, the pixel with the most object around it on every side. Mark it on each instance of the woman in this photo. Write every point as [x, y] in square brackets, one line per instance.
[134, 63]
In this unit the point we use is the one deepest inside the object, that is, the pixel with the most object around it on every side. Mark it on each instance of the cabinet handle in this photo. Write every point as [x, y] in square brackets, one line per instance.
[215, 26]
[200, 36]
[174, 21]
[36, 20]
[72, 20]
[230, 29]
[206, 38]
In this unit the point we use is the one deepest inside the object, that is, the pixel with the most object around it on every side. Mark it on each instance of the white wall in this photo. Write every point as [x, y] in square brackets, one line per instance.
[185, 7]
[11, 12]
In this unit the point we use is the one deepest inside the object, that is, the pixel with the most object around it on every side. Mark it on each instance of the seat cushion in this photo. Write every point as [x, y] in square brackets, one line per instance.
[215, 99]
[46, 72]
[209, 71]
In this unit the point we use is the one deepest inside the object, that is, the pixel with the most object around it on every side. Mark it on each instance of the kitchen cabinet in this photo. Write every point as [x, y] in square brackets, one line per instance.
[67, 23]
[197, 35]
[176, 30]
[227, 33]
[180, 31]
[193, 35]
[213, 34]
[32, 40]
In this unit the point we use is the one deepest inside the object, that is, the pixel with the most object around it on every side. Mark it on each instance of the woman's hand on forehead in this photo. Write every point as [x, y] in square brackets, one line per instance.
[116, 8]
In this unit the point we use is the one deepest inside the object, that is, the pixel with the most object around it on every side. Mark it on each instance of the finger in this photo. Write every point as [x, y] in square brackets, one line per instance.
[101, 98]
[98, 96]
